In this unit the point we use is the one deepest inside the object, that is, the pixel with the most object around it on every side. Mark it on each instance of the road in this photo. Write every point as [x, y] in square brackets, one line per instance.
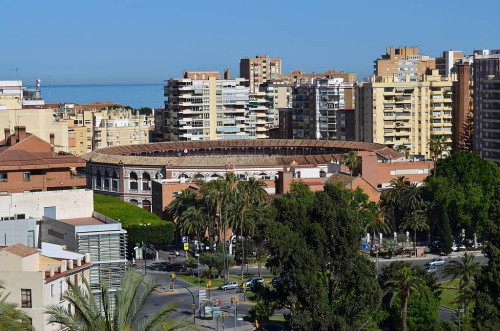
[184, 299]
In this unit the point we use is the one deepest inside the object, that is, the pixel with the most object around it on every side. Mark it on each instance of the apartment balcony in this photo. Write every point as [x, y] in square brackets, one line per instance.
[495, 130]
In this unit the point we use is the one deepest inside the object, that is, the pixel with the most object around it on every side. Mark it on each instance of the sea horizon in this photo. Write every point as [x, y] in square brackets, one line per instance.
[127, 94]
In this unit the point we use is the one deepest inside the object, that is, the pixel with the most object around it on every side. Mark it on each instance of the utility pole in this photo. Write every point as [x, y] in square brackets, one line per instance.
[145, 244]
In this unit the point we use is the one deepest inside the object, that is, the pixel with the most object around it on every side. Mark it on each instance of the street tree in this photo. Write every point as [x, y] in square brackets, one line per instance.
[437, 146]
[465, 270]
[352, 162]
[403, 283]
[486, 311]
[416, 221]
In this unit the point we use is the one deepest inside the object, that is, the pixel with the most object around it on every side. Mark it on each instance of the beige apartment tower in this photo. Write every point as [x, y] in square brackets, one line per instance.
[405, 113]
[258, 70]
[202, 106]
[402, 62]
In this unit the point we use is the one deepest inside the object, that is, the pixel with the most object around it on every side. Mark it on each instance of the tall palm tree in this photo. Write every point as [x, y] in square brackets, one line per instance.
[194, 221]
[130, 299]
[465, 269]
[11, 318]
[351, 160]
[416, 221]
[404, 283]
[392, 199]
[403, 149]
[182, 202]
[411, 199]
[437, 145]
[377, 224]
[249, 194]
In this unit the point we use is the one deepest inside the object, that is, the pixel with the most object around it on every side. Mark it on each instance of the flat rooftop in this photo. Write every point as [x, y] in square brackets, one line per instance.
[82, 221]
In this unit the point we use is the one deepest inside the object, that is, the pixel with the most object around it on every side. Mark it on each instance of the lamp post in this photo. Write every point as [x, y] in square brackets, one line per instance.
[145, 242]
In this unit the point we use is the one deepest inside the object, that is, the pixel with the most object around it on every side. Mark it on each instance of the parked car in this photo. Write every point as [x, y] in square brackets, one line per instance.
[435, 262]
[458, 248]
[228, 286]
[431, 269]
[250, 283]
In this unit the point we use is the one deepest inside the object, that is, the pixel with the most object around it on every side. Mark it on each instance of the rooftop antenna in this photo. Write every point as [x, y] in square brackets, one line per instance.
[17, 71]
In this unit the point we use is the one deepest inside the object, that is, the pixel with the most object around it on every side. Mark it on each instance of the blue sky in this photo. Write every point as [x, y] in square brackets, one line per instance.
[148, 41]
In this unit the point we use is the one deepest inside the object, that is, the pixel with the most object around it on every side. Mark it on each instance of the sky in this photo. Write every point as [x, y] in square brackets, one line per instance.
[149, 41]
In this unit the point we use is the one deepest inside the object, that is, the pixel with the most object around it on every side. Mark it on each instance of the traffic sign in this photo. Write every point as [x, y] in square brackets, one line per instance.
[202, 295]
[184, 239]
[186, 246]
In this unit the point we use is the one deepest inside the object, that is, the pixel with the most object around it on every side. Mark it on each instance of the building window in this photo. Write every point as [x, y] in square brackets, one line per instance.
[26, 176]
[3, 176]
[52, 290]
[25, 298]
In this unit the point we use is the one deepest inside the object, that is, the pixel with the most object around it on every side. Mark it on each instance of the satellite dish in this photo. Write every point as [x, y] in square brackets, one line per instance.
[185, 151]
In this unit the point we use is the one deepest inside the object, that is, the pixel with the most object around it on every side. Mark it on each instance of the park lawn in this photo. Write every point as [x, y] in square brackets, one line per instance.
[449, 295]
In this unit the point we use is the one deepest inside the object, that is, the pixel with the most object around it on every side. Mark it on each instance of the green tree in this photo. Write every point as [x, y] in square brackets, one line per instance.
[466, 183]
[466, 139]
[402, 283]
[351, 160]
[316, 244]
[11, 318]
[465, 269]
[193, 222]
[88, 315]
[437, 146]
[403, 149]
[486, 312]
[377, 224]
[250, 194]
[416, 221]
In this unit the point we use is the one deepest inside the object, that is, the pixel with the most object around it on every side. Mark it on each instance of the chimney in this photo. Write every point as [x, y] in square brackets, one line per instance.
[70, 264]
[51, 272]
[63, 268]
[87, 258]
[7, 136]
[52, 138]
[227, 74]
[78, 262]
[21, 133]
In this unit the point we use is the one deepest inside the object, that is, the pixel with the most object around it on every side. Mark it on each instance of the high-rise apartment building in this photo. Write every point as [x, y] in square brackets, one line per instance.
[488, 136]
[258, 70]
[404, 61]
[406, 113]
[486, 63]
[446, 63]
[202, 106]
[317, 109]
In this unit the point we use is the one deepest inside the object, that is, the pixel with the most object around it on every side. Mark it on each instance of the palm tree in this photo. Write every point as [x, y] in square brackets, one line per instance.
[416, 221]
[377, 224]
[437, 145]
[182, 202]
[194, 221]
[130, 299]
[404, 283]
[403, 149]
[351, 160]
[11, 318]
[465, 269]
[392, 199]
[411, 199]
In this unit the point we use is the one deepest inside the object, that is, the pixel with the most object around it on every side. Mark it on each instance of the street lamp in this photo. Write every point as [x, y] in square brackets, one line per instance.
[144, 244]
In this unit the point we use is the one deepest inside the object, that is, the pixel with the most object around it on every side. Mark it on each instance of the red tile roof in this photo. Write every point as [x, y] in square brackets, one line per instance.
[21, 250]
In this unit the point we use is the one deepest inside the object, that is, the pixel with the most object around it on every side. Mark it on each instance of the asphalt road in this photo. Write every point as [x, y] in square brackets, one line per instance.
[181, 295]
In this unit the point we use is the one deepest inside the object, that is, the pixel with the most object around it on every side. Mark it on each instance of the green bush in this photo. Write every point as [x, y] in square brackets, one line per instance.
[159, 233]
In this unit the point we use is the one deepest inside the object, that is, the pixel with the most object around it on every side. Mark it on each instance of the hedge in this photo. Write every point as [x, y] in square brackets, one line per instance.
[159, 232]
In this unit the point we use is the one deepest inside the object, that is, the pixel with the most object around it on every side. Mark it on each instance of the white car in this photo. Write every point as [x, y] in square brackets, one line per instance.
[431, 269]
[435, 262]
[228, 286]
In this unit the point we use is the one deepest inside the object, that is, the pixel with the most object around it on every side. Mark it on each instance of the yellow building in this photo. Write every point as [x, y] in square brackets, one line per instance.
[258, 70]
[202, 106]
[22, 107]
[406, 113]
[402, 62]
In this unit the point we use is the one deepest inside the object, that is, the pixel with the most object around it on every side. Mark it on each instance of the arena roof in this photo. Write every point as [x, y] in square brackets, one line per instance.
[260, 152]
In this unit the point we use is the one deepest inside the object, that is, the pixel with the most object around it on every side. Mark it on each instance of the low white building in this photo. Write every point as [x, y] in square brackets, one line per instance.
[36, 281]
